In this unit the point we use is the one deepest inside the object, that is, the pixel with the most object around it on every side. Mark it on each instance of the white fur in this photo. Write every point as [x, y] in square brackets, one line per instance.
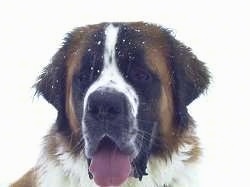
[73, 172]
[70, 172]
[110, 76]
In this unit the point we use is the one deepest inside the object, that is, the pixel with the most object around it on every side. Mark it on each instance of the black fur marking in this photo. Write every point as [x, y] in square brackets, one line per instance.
[51, 84]
[90, 69]
[190, 78]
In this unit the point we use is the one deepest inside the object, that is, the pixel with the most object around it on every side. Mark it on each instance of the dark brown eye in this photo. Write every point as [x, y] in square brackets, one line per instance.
[140, 75]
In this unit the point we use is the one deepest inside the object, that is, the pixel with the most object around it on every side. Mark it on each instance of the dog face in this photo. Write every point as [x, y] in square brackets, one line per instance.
[121, 90]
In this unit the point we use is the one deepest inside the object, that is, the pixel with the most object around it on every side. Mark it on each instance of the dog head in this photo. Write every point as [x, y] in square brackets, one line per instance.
[122, 91]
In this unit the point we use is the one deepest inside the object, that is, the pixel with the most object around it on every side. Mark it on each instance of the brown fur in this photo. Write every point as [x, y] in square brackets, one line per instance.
[28, 180]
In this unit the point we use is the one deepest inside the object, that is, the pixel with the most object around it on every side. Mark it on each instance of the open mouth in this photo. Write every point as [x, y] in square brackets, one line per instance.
[110, 166]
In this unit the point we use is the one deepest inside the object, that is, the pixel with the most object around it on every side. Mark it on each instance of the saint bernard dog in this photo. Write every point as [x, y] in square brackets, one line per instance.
[121, 91]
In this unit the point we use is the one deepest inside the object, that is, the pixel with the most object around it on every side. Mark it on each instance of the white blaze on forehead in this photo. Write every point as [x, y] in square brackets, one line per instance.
[110, 76]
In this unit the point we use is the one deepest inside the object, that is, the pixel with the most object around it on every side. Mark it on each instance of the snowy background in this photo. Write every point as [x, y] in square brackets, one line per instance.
[218, 32]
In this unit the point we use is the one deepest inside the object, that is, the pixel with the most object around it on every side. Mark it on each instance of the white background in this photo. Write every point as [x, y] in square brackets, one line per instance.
[218, 32]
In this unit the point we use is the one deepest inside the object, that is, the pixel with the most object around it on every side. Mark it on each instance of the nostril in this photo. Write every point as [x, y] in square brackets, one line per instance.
[112, 112]
[101, 112]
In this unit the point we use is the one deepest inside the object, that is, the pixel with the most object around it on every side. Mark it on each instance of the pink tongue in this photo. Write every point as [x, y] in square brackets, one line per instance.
[110, 167]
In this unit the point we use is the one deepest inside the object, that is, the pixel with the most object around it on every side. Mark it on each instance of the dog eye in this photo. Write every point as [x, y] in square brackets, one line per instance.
[140, 75]
[83, 78]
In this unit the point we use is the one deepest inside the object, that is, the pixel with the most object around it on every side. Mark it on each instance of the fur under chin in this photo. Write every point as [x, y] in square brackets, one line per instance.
[69, 171]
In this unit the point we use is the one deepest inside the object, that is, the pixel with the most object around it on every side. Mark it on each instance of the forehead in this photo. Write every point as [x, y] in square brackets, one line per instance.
[141, 41]
[146, 42]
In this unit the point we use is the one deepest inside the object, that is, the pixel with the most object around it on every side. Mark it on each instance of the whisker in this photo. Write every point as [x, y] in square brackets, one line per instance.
[78, 145]
[147, 134]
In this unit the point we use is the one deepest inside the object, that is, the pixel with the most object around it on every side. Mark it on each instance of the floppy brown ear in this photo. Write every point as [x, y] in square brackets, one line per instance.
[190, 77]
[51, 83]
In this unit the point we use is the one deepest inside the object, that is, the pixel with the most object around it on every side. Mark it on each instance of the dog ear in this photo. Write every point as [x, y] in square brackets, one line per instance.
[51, 83]
[190, 77]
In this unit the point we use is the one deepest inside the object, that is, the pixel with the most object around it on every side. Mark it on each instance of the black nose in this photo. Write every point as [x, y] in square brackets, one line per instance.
[106, 105]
